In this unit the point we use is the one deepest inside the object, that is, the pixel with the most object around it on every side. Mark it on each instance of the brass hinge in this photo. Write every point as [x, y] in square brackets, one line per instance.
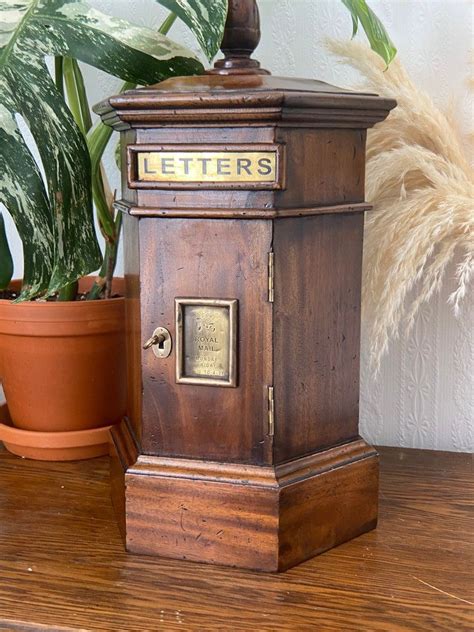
[271, 276]
[271, 412]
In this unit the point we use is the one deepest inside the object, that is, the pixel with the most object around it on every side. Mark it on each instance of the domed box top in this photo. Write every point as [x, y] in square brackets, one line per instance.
[238, 90]
[214, 98]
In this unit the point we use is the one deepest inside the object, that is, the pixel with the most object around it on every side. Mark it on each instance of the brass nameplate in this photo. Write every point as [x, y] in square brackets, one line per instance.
[186, 166]
[207, 166]
[206, 341]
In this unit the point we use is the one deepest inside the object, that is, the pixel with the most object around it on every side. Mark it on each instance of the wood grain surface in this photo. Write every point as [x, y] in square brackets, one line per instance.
[247, 516]
[319, 167]
[62, 565]
[316, 332]
[223, 259]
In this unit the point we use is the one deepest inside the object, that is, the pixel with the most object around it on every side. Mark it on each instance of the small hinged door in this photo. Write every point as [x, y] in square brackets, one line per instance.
[206, 288]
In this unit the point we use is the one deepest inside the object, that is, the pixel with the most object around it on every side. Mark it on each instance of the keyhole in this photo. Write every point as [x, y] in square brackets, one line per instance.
[160, 341]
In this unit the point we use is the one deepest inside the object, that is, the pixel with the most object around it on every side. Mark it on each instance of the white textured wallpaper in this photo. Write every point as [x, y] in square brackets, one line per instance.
[424, 396]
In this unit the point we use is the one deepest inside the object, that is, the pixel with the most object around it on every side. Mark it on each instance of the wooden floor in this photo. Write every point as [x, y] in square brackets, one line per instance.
[62, 566]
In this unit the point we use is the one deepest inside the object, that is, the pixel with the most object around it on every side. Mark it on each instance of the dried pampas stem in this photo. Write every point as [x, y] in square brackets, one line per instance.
[420, 184]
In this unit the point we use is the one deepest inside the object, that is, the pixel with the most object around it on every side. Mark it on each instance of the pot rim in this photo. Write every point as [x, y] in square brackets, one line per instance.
[84, 284]
[55, 312]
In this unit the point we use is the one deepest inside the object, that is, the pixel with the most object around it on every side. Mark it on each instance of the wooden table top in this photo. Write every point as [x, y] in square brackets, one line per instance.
[62, 565]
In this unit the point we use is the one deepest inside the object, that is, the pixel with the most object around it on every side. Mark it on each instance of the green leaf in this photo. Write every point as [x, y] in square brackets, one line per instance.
[6, 259]
[205, 18]
[114, 45]
[378, 37]
[55, 222]
[23, 193]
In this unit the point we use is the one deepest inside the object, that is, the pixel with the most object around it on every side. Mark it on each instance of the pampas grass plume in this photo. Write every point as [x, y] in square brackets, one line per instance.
[421, 186]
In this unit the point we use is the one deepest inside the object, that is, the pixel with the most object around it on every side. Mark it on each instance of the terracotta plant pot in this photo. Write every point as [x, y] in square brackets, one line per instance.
[63, 370]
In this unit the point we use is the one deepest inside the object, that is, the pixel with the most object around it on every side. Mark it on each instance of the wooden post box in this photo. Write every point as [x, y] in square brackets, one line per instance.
[243, 202]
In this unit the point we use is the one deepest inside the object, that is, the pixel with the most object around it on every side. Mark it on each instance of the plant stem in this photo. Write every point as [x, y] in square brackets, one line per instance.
[58, 75]
[103, 209]
[167, 23]
[73, 97]
[82, 95]
[112, 260]
[106, 272]
[68, 292]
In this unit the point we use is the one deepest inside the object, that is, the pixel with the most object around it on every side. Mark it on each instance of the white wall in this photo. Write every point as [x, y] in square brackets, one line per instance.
[424, 396]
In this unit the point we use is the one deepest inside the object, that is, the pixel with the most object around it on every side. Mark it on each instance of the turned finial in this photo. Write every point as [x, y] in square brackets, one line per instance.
[241, 38]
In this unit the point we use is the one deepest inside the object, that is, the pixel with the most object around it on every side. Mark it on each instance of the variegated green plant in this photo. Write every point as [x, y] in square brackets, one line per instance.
[54, 217]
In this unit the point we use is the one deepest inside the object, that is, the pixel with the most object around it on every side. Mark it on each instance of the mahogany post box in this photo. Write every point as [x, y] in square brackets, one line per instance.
[243, 203]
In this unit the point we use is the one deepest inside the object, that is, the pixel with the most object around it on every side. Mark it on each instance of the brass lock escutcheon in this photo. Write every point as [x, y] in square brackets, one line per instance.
[160, 342]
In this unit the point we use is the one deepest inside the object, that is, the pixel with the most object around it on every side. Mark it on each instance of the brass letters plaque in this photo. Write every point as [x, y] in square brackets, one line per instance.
[206, 341]
[186, 166]
[207, 166]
